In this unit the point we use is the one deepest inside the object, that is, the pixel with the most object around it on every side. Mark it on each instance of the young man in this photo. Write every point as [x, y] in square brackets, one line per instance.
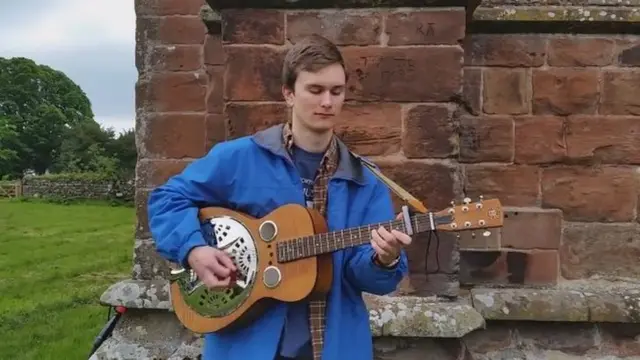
[302, 162]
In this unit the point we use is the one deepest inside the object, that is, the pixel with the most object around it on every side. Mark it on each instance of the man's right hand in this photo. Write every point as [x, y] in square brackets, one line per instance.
[212, 266]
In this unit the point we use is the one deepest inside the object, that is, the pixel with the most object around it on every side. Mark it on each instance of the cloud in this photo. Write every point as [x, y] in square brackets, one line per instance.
[94, 44]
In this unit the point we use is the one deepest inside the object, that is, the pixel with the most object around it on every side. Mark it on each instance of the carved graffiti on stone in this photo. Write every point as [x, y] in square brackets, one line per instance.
[426, 30]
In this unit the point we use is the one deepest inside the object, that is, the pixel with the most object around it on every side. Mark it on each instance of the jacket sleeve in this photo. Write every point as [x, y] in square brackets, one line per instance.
[360, 270]
[173, 207]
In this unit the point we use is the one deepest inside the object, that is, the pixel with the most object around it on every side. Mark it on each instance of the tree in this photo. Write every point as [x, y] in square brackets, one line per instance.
[87, 147]
[8, 148]
[37, 105]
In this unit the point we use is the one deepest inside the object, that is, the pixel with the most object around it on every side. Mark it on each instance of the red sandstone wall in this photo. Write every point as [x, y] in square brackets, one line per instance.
[562, 111]
[546, 123]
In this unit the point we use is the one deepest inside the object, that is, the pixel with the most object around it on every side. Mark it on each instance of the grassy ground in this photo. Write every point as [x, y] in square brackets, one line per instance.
[55, 262]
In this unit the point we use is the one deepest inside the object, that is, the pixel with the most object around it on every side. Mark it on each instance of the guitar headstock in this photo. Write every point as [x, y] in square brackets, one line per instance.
[481, 214]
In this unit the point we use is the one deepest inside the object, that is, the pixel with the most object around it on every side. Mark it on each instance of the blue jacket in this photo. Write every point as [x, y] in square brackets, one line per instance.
[252, 175]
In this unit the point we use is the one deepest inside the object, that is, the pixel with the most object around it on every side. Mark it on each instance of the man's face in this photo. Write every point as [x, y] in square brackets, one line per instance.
[318, 97]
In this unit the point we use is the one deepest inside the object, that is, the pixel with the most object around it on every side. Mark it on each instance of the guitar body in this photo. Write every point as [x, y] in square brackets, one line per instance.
[261, 279]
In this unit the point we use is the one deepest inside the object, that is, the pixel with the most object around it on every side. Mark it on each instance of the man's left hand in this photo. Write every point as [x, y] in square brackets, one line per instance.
[387, 244]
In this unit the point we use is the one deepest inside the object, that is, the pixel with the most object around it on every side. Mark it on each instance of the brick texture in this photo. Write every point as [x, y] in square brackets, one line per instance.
[575, 143]
[546, 123]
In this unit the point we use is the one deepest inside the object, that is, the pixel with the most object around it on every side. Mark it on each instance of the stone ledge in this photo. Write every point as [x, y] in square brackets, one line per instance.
[138, 294]
[546, 13]
[597, 3]
[411, 316]
[580, 301]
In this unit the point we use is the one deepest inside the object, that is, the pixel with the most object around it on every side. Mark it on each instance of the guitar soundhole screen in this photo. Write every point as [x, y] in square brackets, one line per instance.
[232, 237]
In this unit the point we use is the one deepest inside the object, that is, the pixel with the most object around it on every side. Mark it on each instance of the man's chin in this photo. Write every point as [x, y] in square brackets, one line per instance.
[322, 127]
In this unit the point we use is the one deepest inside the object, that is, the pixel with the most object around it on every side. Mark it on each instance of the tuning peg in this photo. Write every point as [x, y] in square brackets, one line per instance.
[467, 201]
[481, 197]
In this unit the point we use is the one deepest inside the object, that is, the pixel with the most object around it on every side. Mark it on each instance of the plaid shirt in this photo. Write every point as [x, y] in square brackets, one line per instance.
[327, 167]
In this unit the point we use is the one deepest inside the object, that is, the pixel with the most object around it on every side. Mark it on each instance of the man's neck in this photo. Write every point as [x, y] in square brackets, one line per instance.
[310, 141]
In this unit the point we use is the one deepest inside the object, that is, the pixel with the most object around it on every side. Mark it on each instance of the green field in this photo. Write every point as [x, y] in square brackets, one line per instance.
[55, 262]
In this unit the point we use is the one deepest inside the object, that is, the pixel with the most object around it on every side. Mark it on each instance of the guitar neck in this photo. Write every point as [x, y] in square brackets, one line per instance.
[318, 244]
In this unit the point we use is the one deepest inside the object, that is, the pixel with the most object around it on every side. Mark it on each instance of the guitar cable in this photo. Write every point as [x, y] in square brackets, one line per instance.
[106, 331]
[426, 268]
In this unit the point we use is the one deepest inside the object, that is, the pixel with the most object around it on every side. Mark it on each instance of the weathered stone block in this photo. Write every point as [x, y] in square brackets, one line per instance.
[433, 184]
[175, 58]
[253, 73]
[535, 267]
[600, 249]
[248, 118]
[394, 74]
[425, 27]
[561, 91]
[172, 30]
[172, 92]
[579, 192]
[215, 89]
[506, 51]
[505, 91]
[214, 52]
[142, 221]
[532, 228]
[429, 132]
[343, 27]
[253, 26]
[628, 53]
[216, 130]
[472, 90]
[530, 304]
[371, 129]
[486, 139]
[167, 7]
[539, 139]
[581, 51]
[619, 92]
[603, 139]
[173, 136]
[147, 263]
[513, 185]
[417, 317]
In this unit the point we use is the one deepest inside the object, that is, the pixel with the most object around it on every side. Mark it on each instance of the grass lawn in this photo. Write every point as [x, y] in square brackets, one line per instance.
[55, 262]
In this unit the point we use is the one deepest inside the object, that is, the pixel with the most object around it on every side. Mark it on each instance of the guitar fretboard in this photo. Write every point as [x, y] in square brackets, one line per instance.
[319, 244]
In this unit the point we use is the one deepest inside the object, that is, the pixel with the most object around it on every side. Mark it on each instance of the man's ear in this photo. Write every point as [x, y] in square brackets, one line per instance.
[288, 95]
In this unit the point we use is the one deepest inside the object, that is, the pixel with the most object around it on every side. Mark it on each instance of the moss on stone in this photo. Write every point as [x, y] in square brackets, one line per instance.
[615, 3]
[420, 317]
[531, 304]
[559, 13]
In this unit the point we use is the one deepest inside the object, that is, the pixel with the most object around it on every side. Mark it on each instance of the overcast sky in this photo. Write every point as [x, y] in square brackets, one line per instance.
[92, 42]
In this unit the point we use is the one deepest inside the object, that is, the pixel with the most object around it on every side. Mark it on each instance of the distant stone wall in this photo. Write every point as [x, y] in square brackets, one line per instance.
[78, 188]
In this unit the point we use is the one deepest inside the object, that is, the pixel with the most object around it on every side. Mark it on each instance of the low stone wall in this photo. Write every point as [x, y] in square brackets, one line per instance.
[76, 188]
[597, 320]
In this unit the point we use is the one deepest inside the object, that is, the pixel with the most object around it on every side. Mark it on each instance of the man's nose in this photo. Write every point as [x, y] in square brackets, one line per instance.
[327, 100]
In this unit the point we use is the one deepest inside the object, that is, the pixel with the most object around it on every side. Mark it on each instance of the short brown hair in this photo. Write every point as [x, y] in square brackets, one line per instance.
[311, 53]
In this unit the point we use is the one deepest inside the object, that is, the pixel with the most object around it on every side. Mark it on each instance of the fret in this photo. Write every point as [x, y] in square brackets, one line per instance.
[314, 245]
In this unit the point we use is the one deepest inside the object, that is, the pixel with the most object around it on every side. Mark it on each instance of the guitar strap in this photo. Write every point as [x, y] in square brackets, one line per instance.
[416, 204]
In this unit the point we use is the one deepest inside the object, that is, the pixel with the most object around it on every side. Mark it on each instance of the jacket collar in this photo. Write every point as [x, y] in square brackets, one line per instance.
[349, 167]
